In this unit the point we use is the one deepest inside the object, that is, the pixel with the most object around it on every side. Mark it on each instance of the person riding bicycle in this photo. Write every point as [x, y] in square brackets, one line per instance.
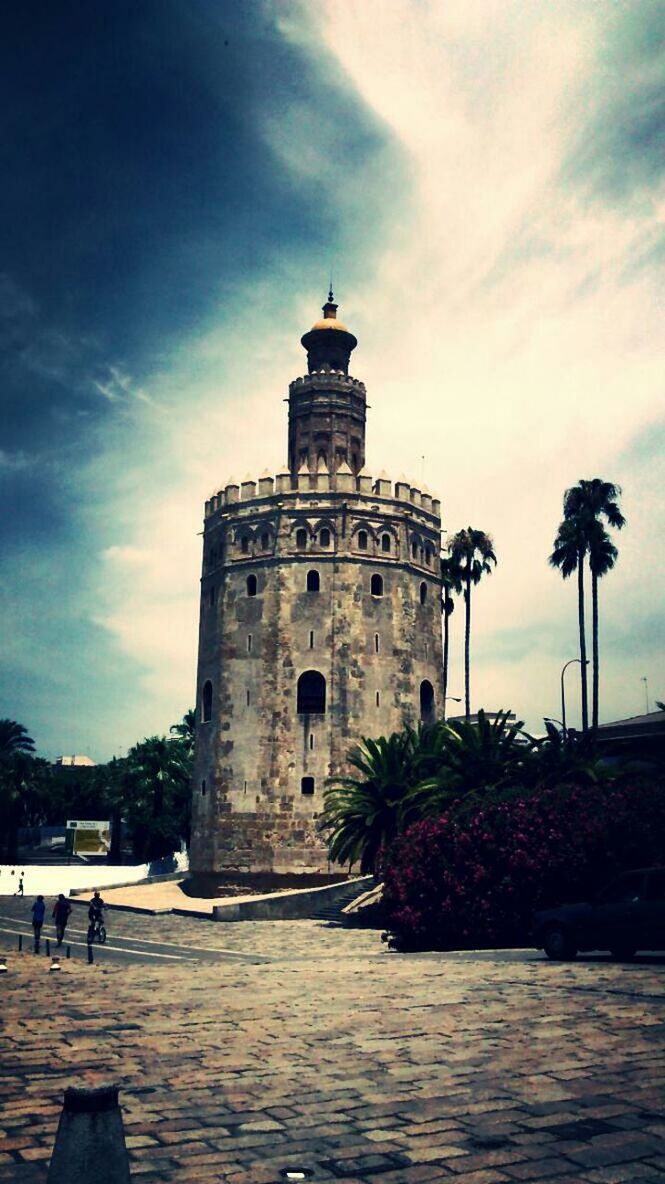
[95, 913]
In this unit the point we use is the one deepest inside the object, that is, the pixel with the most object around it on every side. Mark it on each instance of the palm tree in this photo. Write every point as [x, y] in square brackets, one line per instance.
[590, 501]
[158, 780]
[451, 581]
[361, 815]
[186, 729]
[461, 759]
[569, 550]
[14, 738]
[472, 552]
[16, 763]
[602, 557]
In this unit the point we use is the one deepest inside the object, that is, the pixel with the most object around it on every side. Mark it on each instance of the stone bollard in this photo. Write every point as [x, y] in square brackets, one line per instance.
[90, 1143]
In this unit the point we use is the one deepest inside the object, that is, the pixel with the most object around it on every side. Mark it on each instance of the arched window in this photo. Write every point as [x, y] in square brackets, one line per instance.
[423, 592]
[251, 585]
[324, 537]
[385, 542]
[206, 702]
[313, 581]
[244, 544]
[362, 540]
[426, 702]
[265, 541]
[307, 785]
[428, 555]
[311, 698]
[376, 586]
[414, 549]
[301, 539]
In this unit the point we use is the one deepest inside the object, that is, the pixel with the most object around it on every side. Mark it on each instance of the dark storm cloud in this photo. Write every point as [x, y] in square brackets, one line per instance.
[619, 150]
[143, 190]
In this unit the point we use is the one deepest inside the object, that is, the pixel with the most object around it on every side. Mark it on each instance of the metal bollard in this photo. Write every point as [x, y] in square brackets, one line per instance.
[90, 1143]
[69, 952]
[20, 942]
[90, 955]
[48, 948]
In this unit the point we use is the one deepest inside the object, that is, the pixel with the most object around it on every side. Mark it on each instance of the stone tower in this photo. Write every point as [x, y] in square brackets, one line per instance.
[320, 623]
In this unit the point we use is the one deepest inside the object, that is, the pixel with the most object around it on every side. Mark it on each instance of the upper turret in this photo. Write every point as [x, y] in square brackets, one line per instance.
[329, 342]
[327, 408]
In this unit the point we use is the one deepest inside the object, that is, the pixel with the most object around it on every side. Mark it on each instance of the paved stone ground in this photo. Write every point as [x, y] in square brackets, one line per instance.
[342, 1058]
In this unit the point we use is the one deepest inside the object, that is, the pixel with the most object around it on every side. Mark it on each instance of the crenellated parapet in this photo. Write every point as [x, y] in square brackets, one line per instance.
[326, 380]
[321, 482]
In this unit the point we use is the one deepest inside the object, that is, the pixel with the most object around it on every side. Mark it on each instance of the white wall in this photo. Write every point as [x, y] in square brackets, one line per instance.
[49, 881]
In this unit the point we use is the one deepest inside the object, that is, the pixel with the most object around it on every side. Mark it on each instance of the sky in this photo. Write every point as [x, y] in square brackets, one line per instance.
[486, 179]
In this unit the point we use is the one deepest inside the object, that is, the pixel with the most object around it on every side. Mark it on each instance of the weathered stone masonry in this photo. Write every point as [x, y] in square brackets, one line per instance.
[320, 623]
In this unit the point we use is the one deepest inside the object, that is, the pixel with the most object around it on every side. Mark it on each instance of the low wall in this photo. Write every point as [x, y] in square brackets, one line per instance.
[50, 880]
[295, 904]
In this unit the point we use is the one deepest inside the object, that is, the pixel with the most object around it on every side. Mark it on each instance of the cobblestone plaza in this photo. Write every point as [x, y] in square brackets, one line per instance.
[336, 1056]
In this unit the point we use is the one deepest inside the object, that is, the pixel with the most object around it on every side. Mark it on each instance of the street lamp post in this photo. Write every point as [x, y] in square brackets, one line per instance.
[454, 698]
[563, 692]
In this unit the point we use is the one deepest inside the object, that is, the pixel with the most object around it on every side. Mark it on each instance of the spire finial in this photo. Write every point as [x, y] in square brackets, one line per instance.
[330, 293]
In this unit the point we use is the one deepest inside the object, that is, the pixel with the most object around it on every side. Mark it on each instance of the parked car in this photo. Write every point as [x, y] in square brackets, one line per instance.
[626, 916]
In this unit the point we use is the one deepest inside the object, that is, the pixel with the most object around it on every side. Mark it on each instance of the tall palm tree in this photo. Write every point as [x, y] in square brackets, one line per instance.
[569, 550]
[472, 551]
[451, 581]
[602, 557]
[592, 501]
[597, 497]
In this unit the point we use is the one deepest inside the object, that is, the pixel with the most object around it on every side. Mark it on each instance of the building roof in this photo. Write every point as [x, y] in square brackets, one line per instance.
[654, 719]
[69, 761]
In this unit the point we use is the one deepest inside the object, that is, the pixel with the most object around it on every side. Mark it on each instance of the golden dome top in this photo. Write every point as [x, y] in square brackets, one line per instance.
[330, 323]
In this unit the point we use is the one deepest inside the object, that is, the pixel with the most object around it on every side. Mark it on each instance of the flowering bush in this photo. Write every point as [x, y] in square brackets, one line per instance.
[473, 876]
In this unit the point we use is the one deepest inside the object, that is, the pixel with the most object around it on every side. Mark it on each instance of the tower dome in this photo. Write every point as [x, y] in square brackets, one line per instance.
[329, 343]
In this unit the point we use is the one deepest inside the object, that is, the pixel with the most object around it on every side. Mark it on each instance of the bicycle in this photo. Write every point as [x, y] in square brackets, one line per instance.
[97, 931]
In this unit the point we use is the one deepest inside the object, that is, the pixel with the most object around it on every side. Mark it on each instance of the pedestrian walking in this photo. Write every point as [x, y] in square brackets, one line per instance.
[19, 890]
[61, 911]
[38, 910]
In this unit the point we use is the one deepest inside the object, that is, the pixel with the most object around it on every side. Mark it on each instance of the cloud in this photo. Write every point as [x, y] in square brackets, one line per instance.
[490, 196]
[618, 152]
[124, 555]
[14, 462]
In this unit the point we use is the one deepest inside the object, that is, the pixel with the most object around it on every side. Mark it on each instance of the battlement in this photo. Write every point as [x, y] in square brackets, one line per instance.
[326, 380]
[343, 481]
